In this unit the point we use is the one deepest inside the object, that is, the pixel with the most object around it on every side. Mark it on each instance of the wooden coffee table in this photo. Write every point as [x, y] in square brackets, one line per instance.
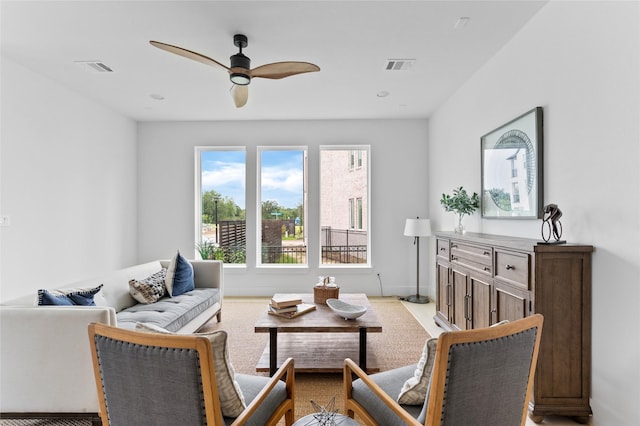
[319, 340]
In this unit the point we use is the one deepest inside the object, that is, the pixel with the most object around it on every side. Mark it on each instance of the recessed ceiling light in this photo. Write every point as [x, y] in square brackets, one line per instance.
[399, 64]
[461, 22]
[98, 66]
[382, 94]
[157, 97]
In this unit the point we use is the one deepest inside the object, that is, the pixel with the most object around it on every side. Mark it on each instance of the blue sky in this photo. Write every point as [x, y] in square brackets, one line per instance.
[281, 176]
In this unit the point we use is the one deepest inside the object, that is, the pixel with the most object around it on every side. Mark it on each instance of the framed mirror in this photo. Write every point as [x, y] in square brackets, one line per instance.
[512, 169]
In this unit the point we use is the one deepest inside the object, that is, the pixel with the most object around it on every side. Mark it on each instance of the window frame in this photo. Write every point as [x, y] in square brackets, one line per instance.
[353, 214]
[258, 205]
[198, 150]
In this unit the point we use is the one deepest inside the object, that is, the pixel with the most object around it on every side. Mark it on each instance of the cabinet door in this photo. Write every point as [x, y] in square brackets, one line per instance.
[442, 292]
[510, 303]
[480, 300]
[460, 302]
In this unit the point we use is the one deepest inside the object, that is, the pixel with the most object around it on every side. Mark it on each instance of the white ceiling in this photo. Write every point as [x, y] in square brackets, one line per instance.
[350, 41]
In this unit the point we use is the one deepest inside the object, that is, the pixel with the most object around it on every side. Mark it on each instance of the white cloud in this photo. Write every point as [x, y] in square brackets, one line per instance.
[277, 178]
[223, 174]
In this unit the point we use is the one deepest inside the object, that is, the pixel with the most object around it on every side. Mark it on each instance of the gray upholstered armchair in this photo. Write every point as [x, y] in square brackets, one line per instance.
[166, 380]
[478, 377]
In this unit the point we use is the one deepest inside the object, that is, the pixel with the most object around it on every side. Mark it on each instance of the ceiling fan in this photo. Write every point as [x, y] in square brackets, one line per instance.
[240, 72]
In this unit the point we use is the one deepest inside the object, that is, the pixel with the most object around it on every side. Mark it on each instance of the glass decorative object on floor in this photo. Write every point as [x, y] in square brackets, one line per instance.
[325, 416]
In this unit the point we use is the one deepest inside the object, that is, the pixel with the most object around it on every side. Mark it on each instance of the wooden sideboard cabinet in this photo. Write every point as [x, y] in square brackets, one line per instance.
[482, 279]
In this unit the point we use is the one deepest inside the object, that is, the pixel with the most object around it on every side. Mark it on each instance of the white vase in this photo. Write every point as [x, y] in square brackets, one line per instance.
[459, 229]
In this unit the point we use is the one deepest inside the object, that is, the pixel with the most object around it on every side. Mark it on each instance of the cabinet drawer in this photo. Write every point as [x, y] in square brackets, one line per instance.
[442, 247]
[474, 256]
[513, 267]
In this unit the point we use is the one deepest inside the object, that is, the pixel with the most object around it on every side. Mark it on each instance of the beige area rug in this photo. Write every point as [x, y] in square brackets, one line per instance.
[399, 344]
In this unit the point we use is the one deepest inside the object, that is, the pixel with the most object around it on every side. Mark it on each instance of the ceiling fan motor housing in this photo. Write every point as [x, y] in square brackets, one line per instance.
[240, 64]
[240, 61]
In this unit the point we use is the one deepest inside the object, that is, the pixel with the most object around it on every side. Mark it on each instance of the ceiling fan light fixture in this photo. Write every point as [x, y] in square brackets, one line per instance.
[240, 78]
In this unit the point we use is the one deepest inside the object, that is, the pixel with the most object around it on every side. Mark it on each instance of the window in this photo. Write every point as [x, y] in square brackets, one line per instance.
[282, 197]
[220, 204]
[515, 188]
[355, 159]
[344, 213]
[352, 214]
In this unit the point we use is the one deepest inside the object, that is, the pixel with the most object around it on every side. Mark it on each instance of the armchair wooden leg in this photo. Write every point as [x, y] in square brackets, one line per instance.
[289, 418]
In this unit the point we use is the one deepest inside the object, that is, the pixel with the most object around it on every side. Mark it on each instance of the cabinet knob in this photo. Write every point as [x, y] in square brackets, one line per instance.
[442, 249]
[486, 268]
[510, 267]
[486, 253]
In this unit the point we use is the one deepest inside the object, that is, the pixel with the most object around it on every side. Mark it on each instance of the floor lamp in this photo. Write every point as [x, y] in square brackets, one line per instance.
[417, 228]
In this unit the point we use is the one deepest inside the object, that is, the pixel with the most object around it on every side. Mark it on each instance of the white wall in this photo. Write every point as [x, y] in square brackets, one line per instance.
[68, 183]
[579, 61]
[399, 183]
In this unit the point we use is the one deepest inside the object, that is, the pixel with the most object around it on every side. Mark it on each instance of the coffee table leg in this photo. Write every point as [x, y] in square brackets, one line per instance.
[273, 351]
[363, 348]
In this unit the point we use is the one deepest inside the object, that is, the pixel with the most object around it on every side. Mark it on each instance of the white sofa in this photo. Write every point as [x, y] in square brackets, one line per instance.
[45, 361]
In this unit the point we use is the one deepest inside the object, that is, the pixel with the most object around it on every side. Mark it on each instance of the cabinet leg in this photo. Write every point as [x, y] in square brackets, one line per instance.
[535, 418]
[583, 420]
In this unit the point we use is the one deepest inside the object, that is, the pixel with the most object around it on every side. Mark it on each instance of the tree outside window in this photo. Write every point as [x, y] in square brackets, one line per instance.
[282, 195]
[221, 213]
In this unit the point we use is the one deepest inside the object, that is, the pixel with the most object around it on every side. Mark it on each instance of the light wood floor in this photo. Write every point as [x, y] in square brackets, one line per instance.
[424, 314]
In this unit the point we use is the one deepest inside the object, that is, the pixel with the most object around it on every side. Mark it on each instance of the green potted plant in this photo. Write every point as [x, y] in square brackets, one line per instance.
[460, 203]
[209, 250]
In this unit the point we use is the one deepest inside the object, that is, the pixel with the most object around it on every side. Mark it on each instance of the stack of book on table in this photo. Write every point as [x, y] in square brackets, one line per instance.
[289, 307]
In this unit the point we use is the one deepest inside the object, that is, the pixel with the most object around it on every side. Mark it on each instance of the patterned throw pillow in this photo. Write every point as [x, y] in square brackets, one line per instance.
[414, 390]
[179, 276]
[150, 289]
[68, 296]
[231, 399]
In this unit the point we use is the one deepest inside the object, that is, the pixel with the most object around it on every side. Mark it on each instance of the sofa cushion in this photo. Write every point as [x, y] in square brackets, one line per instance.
[414, 390]
[231, 398]
[391, 382]
[68, 296]
[179, 278]
[150, 289]
[251, 386]
[171, 313]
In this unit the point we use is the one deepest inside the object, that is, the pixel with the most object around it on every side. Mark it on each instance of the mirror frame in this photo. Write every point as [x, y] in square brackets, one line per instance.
[523, 131]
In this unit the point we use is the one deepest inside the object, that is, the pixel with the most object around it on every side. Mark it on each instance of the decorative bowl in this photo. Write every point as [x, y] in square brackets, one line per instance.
[346, 310]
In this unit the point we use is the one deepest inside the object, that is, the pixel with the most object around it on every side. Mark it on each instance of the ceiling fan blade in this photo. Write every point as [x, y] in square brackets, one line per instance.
[240, 95]
[278, 70]
[188, 54]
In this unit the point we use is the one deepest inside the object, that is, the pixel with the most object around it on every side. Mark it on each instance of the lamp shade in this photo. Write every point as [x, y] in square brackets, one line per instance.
[417, 227]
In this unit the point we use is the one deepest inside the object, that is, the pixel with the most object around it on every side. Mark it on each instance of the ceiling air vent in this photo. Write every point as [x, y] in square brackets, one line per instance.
[97, 66]
[399, 64]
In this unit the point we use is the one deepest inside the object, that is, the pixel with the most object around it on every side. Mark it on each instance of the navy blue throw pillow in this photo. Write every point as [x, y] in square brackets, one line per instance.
[68, 297]
[179, 276]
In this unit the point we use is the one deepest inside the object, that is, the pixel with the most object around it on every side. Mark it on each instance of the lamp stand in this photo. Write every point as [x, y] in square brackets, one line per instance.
[416, 298]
